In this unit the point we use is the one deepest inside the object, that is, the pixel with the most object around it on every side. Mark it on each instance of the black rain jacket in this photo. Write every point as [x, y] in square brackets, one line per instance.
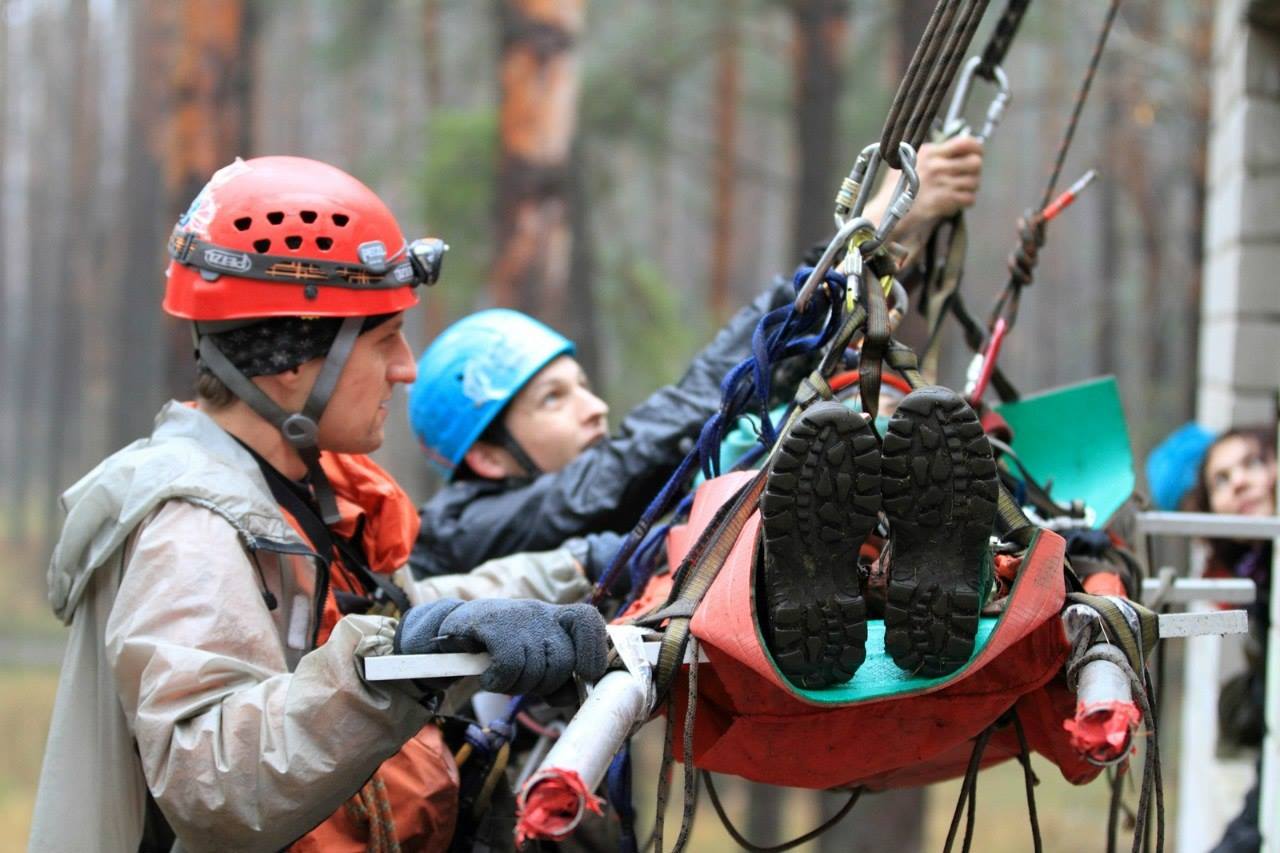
[606, 488]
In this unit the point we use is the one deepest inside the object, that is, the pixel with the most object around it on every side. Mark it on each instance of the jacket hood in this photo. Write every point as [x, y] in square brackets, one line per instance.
[187, 457]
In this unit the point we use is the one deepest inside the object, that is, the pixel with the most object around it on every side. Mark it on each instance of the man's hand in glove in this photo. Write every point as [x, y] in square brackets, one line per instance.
[535, 646]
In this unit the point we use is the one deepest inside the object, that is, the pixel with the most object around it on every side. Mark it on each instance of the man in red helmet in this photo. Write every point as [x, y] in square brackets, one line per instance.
[224, 578]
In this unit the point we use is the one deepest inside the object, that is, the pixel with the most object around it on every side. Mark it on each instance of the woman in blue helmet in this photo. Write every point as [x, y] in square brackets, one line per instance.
[506, 414]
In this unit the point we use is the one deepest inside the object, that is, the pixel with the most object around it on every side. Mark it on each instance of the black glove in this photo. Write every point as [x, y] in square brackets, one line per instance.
[535, 646]
[595, 552]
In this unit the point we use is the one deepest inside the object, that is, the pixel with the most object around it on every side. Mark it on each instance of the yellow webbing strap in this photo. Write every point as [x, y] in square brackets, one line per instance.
[1119, 631]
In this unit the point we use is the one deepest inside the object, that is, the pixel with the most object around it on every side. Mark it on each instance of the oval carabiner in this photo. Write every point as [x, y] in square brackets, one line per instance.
[823, 266]
[955, 123]
[904, 195]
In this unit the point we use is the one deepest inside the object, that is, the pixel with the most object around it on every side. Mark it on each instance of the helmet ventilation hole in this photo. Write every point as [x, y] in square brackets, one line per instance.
[262, 246]
[275, 217]
[293, 241]
[325, 243]
[308, 216]
[243, 223]
[341, 220]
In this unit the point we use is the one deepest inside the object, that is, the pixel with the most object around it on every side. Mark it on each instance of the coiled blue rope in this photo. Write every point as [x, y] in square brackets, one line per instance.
[781, 334]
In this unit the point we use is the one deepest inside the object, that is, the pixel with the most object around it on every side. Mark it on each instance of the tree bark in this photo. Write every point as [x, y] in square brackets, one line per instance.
[207, 128]
[1200, 55]
[73, 276]
[8, 426]
[1108, 258]
[820, 30]
[725, 121]
[538, 112]
[434, 68]
[140, 345]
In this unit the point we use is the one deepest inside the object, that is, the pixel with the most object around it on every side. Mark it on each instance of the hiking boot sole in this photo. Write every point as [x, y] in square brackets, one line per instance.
[939, 483]
[821, 500]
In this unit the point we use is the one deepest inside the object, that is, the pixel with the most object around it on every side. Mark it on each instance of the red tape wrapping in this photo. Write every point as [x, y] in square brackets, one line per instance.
[551, 804]
[1101, 730]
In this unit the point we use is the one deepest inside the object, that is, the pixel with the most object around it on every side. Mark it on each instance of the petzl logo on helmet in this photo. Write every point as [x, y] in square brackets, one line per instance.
[489, 376]
[373, 255]
[403, 272]
[227, 260]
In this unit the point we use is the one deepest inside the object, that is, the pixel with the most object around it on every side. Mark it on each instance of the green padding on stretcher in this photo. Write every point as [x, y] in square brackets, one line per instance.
[879, 676]
[1076, 439]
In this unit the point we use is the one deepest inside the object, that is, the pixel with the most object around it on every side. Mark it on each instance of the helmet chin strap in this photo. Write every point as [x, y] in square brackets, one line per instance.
[300, 429]
[508, 442]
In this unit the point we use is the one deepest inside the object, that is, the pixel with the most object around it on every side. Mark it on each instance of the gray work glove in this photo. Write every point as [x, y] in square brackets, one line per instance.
[535, 646]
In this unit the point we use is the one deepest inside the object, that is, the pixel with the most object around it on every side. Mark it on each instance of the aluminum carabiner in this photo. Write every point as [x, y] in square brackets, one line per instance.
[823, 266]
[955, 123]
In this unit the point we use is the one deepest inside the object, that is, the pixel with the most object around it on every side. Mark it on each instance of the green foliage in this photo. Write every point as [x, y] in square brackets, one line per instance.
[455, 190]
[650, 333]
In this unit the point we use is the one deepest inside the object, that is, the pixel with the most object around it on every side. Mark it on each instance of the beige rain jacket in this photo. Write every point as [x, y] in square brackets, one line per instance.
[177, 676]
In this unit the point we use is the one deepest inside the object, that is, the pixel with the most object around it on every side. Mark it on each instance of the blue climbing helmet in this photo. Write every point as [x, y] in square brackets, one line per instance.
[470, 373]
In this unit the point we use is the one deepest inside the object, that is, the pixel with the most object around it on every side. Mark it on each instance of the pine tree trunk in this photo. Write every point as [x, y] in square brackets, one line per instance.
[725, 119]
[434, 68]
[81, 116]
[820, 30]
[1200, 55]
[537, 121]
[208, 127]
[140, 345]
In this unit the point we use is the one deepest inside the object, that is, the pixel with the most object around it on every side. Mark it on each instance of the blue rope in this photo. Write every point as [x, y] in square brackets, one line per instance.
[618, 785]
[780, 334]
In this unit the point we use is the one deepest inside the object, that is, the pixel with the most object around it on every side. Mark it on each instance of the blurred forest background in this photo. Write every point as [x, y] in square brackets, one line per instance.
[628, 171]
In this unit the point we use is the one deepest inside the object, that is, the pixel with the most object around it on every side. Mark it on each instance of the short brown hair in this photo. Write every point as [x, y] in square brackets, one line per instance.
[211, 390]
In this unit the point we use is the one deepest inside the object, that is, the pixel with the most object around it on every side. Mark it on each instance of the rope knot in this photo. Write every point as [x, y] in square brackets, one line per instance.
[1023, 260]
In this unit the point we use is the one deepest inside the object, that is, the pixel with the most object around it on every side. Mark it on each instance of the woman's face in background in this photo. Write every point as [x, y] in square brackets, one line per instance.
[1240, 477]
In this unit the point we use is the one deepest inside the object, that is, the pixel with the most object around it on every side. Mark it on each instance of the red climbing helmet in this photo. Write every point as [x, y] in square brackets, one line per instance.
[288, 236]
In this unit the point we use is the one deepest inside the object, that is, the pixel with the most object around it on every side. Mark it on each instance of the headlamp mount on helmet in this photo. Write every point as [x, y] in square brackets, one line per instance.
[418, 263]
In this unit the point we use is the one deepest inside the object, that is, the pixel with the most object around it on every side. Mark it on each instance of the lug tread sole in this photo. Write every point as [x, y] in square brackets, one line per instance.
[940, 490]
[821, 500]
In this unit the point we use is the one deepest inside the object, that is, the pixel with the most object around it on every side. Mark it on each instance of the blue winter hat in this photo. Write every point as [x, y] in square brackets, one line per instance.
[1174, 464]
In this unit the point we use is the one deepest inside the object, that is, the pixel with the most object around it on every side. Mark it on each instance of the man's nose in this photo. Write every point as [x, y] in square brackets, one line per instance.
[402, 369]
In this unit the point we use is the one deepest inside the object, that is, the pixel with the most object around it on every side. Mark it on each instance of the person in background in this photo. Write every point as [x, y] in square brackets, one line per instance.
[1238, 477]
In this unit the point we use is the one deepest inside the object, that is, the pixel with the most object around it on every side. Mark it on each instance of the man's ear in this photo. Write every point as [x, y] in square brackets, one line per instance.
[490, 461]
[289, 389]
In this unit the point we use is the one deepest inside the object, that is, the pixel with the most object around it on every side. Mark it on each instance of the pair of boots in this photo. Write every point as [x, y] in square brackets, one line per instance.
[935, 480]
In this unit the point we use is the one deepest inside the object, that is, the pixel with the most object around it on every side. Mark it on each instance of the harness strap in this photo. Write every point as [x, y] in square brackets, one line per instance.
[1119, 630]
[379, 586]
[942, 285]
